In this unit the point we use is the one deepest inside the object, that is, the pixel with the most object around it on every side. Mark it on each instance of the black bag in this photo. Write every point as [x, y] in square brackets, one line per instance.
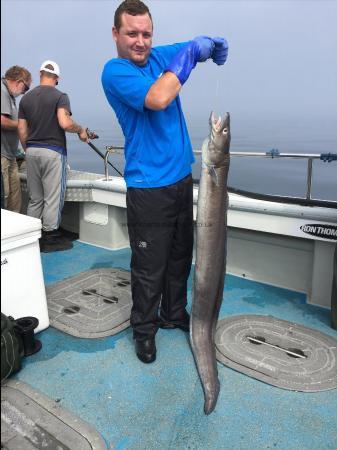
[11, 347]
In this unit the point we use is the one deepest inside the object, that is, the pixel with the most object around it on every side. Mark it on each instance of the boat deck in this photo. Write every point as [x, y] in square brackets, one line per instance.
[160, 405]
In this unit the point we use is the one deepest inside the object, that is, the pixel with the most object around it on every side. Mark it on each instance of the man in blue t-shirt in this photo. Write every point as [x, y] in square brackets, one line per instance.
[142, 86]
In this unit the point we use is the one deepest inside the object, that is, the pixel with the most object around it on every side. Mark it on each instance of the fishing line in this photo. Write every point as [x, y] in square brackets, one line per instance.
[217, 107]
[217, 88]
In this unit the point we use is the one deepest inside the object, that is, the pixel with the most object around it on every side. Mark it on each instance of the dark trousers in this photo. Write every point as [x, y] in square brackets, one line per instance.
[160, 225]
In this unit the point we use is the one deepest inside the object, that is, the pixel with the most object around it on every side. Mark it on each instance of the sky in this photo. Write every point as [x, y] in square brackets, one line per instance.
[281, 69]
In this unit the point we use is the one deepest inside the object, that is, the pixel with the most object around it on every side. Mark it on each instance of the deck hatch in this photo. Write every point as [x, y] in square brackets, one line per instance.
[92, 304]
[30, 420]
[278, 352]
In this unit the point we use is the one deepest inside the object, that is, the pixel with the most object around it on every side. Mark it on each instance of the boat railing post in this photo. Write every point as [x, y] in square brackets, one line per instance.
[309, 178]
[106, 157]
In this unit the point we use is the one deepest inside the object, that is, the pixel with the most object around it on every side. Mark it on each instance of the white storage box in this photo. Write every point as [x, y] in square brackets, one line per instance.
[22, 287]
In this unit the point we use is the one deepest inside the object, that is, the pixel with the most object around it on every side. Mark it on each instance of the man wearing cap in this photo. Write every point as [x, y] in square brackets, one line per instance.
[16, 82]
[44, 117]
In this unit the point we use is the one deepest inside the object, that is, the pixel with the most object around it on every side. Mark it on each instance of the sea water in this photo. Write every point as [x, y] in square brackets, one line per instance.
[277, 176]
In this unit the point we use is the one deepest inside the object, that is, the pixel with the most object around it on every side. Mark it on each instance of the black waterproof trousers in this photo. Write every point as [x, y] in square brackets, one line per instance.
[160, 225]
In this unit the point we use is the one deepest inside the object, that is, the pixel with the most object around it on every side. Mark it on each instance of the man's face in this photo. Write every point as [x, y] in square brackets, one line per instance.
[20, 87]
[134, 38]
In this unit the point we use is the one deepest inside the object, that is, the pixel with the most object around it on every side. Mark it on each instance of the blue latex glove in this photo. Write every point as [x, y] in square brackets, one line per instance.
[220, 52]
[198, 50]
[184, 61]
[205, 46]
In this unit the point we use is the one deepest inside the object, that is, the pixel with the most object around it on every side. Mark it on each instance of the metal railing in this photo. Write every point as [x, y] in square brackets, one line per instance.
[274, 153]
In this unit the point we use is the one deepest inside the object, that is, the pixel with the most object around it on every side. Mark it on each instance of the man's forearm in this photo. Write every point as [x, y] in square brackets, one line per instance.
[23, 139]
[23, 132]
[163, 92]
[8, 124]
[69, 125]
[73, 127]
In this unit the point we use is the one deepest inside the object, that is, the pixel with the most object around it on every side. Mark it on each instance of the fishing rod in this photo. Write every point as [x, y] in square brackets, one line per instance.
[93, 135]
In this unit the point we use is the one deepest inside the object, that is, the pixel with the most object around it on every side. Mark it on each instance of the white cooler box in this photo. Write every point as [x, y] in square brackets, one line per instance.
[22, 287]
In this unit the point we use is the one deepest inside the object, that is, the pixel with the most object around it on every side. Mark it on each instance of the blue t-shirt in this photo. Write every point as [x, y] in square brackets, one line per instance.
[158, 150]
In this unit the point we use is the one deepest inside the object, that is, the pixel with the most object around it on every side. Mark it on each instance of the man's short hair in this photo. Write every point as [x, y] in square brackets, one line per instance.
[43, 73]
[16, 73]
[132, 7]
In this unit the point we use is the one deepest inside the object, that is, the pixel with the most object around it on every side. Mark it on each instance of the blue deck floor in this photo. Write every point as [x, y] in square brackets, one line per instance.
[160, 406]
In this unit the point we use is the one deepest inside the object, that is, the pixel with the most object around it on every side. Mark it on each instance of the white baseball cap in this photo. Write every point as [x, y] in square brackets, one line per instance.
[54, 69]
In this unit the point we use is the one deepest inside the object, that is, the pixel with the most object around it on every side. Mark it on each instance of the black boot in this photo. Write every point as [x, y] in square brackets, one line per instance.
[146, 350]
[53, 241]
[182, 324]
